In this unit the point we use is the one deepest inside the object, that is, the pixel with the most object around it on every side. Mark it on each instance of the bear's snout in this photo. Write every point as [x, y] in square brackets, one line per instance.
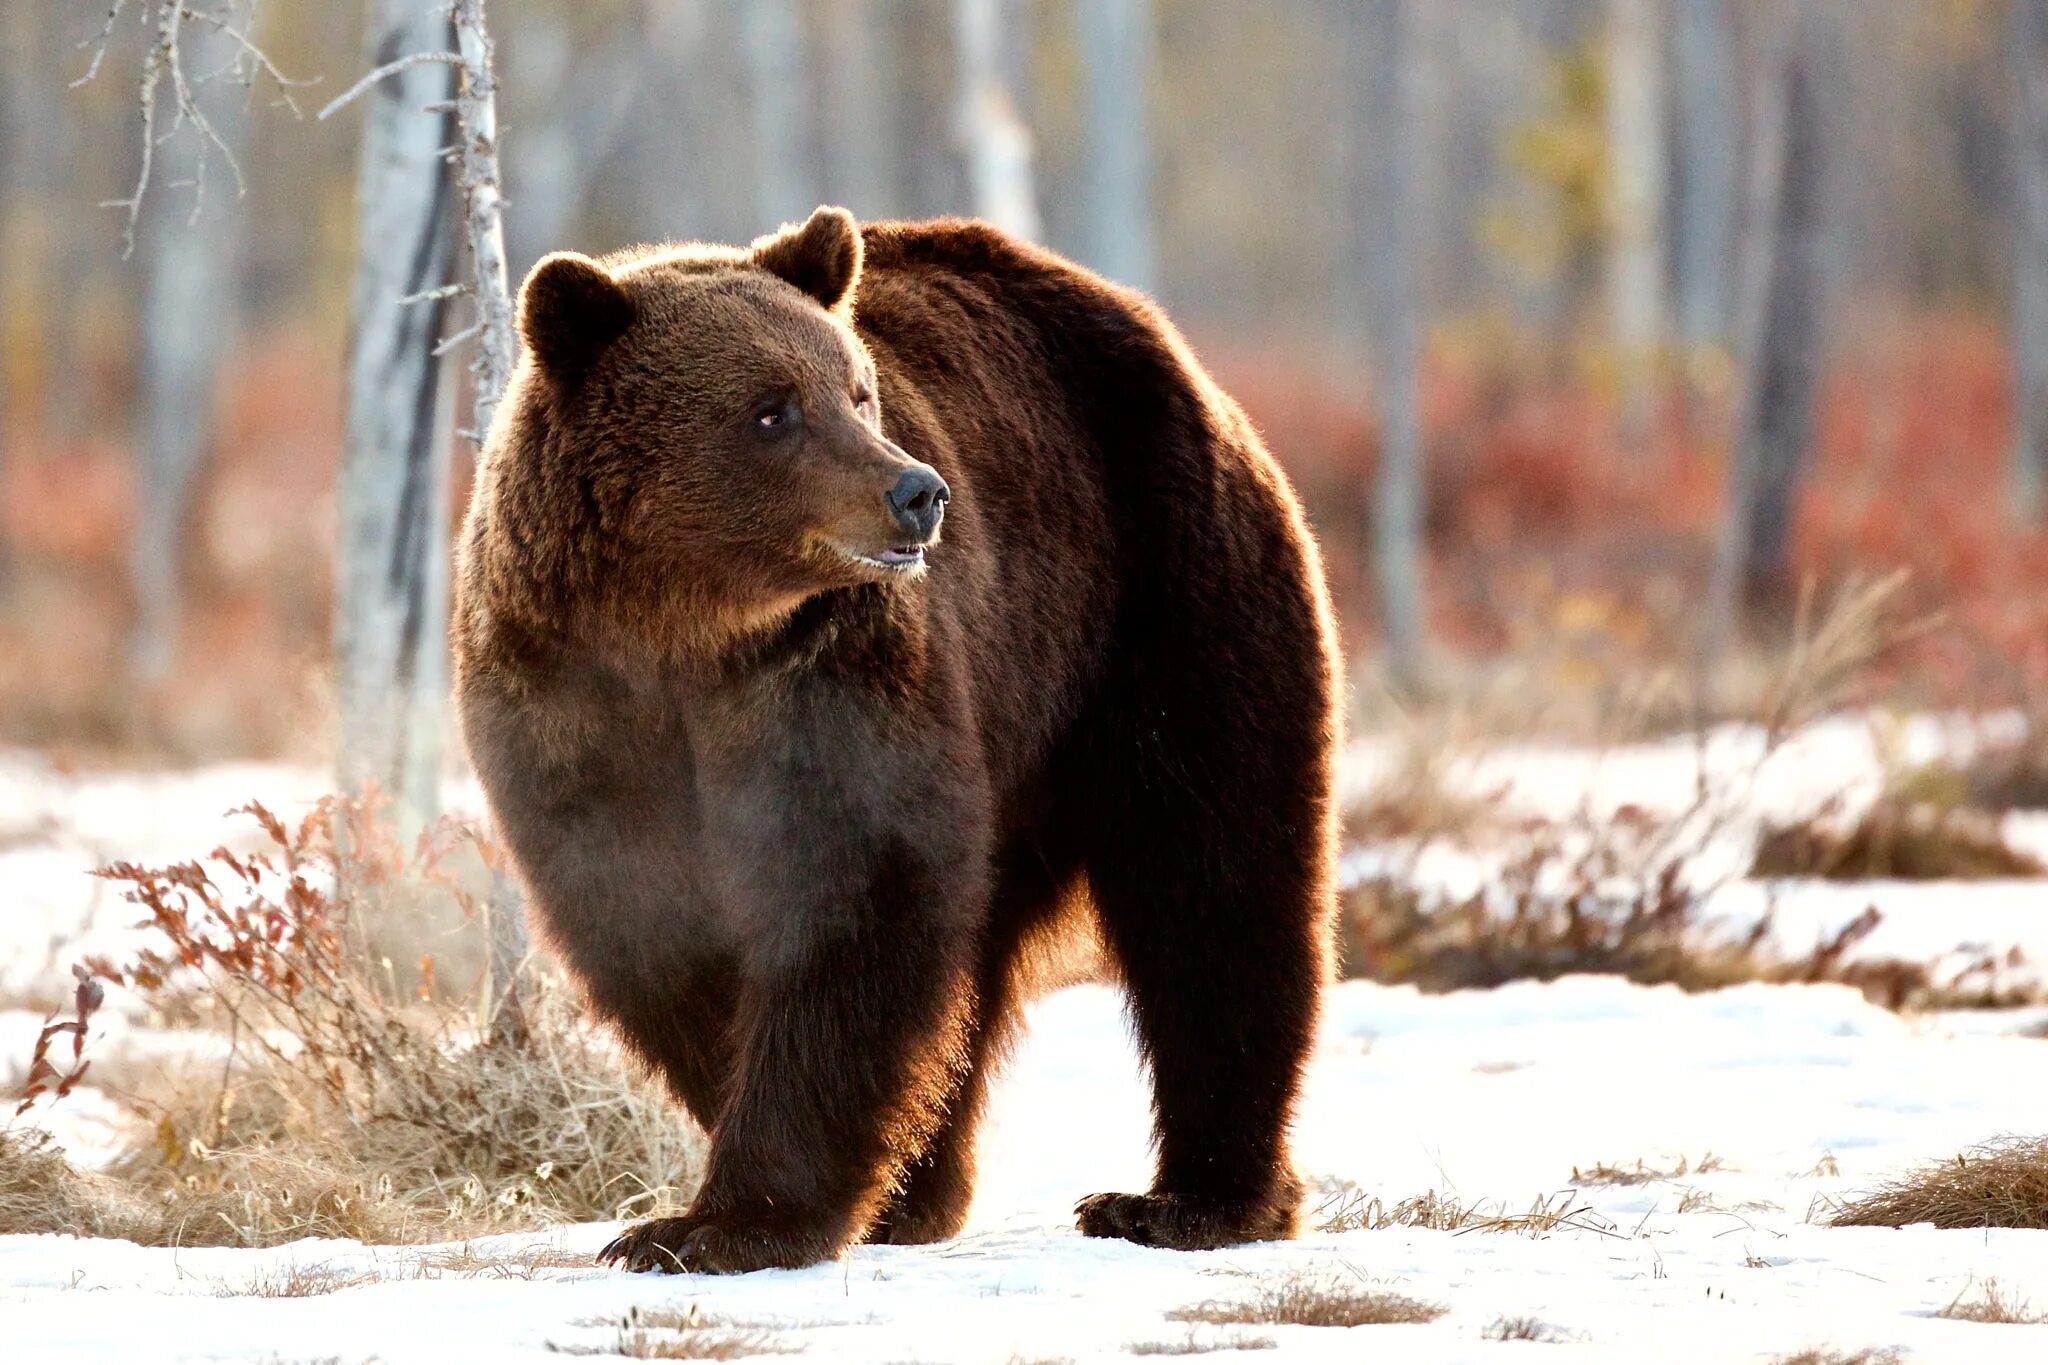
[917, 500]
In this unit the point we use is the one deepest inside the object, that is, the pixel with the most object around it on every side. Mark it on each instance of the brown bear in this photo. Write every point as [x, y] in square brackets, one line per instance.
[839, 619]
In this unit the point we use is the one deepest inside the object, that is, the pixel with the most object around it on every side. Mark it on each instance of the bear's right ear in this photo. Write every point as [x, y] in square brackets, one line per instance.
[570, 309]
[822, 257]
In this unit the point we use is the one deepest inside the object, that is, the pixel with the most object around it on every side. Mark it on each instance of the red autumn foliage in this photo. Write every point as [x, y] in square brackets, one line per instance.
[1547, 532]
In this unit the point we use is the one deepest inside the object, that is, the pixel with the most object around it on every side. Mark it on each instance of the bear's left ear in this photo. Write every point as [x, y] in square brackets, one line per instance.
[570, 309]
[822, 257]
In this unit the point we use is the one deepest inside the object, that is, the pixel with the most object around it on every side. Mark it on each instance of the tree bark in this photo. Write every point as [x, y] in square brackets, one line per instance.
[391, 561]
[189, 248]
[2027, 50]
[1706, 191]
[1784, 291]
[990, 122]
[1389, 115]
[1115, 40]
[1635, 254]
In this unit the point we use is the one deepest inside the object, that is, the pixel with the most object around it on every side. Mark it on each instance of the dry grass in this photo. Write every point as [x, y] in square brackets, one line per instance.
[1350, 1209]
[1197, 1345]
[526, 1263]
[1822, 1355]
[1301, 1299]
[1641, 1173]
[41, 1192]
[2001, 1184]
[296, 1282]
[1893, 840]
[1520, 1329]
[1992, 1304]
[685, 1334]
[349, 1107]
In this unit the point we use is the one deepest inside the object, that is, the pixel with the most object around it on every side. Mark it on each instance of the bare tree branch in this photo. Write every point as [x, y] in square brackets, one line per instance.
[165, 58]
[385, 73]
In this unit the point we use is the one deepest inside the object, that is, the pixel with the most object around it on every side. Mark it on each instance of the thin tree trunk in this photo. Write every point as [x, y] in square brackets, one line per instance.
[1116, 50]
[189, 250]
[2027, 49]
[476, 114]
[990, 122]
[778, 81]
[1707, 188]
[390, 598]
[1389, 69]
[1635, 144]
[1781, 342]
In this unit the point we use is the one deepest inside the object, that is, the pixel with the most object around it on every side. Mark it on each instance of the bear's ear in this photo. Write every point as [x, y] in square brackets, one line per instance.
[822, 257]
[570, 309]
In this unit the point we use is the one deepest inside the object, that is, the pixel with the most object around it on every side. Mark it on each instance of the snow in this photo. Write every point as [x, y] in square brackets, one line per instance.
[1801, 1094]
[1494, 1096]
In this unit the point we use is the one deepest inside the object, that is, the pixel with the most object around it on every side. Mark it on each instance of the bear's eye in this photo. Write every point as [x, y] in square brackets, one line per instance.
[774, 417]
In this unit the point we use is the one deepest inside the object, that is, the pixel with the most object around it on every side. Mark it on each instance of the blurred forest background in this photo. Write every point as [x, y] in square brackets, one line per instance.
[1592, 331]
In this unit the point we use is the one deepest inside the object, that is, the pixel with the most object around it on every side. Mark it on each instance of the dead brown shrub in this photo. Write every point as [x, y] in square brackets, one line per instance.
[2002, 1184]
[346, 1108]
[1893, 840]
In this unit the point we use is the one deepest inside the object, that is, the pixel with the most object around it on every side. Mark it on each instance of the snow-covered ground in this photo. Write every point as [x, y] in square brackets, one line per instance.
[1801, 1094]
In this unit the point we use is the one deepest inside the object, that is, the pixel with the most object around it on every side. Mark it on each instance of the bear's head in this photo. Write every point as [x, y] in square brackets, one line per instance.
[706, 423]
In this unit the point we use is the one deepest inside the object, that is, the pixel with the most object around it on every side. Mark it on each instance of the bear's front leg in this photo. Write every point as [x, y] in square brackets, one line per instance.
[850, 1049]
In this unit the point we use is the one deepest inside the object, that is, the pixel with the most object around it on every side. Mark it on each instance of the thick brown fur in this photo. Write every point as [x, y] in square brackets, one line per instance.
[796, 811]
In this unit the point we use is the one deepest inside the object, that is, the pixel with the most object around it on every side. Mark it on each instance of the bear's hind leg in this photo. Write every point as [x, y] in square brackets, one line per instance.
[1211, 871]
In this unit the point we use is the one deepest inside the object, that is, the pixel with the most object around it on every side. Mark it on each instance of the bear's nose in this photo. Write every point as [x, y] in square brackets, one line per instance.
[918, 500]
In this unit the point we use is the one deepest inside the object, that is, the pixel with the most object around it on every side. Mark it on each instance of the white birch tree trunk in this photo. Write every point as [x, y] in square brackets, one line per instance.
[1635, 254]
[990, 126]
[1115, 39]
[2027, 50]
[188, 250]
[390, 621]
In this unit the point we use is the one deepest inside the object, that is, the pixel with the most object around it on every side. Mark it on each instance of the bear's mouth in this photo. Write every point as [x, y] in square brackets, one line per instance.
[895, 559]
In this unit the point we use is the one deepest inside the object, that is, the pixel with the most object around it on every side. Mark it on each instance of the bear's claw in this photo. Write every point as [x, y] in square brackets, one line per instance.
[700, 1246]
[1182, 1222]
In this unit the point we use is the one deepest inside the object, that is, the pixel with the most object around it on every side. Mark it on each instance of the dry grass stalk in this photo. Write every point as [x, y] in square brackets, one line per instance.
[2001, 1184]
[1822, 1355]
[1300, 1299]
[1992, 1304]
